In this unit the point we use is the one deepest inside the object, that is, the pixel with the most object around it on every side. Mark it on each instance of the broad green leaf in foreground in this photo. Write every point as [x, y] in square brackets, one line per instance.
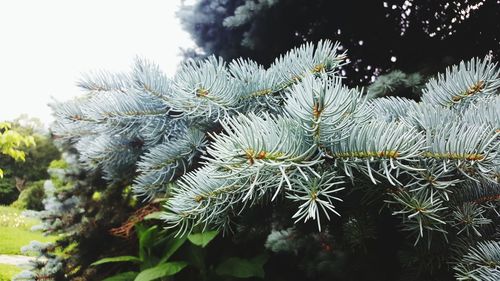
[242, 268]
[125, 276]
[161, 270]
[117, 259]
[202, 239]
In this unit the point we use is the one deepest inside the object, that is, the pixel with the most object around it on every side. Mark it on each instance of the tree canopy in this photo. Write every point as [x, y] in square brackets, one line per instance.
[380, 35]
[36, 158]
[29, 162]
[11, 143]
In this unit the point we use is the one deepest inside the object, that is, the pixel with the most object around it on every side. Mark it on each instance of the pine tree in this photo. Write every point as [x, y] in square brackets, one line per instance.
[220, 138]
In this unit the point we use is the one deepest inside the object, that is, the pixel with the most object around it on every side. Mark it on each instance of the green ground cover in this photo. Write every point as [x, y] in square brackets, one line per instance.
[15, 231]
[8, 271]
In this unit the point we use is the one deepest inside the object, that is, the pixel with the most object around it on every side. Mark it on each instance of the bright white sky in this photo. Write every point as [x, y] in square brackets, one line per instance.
[46, 45]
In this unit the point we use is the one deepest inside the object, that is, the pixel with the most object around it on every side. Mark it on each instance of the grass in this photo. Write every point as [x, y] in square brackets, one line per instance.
[15, 231]
[8, 271]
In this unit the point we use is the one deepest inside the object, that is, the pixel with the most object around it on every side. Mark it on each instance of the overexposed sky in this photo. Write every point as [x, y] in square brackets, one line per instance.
[45, 46]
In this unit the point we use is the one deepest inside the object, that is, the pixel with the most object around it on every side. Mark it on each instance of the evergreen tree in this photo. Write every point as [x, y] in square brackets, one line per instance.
[82, 208]
[220, 139]
[412, 36]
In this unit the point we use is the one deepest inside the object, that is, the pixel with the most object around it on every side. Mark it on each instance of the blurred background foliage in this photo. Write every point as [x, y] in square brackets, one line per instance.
[27, 176]
[380, 35]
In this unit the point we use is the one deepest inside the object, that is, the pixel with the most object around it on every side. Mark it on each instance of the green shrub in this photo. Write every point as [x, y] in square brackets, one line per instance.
[58, 164]
[8, 191]
[31, 198]
[56, 172]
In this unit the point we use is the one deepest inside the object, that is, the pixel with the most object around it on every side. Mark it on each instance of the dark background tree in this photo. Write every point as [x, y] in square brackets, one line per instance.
[380, 36]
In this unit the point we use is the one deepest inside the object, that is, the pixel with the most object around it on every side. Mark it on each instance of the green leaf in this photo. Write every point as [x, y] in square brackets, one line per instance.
[4, 126]
[242, 268]
[195, 256]
[172, 246]
[153, 216]
[202, 239]
[161, 270]
[125, 276]
[117, 259]
[145, 241]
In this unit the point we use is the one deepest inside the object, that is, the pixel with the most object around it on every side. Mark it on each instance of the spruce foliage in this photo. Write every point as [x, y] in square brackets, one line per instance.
[220, 138]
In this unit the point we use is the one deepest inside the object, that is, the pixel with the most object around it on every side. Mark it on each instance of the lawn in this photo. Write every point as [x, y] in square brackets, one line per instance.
[15, 231]
[8, 271]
